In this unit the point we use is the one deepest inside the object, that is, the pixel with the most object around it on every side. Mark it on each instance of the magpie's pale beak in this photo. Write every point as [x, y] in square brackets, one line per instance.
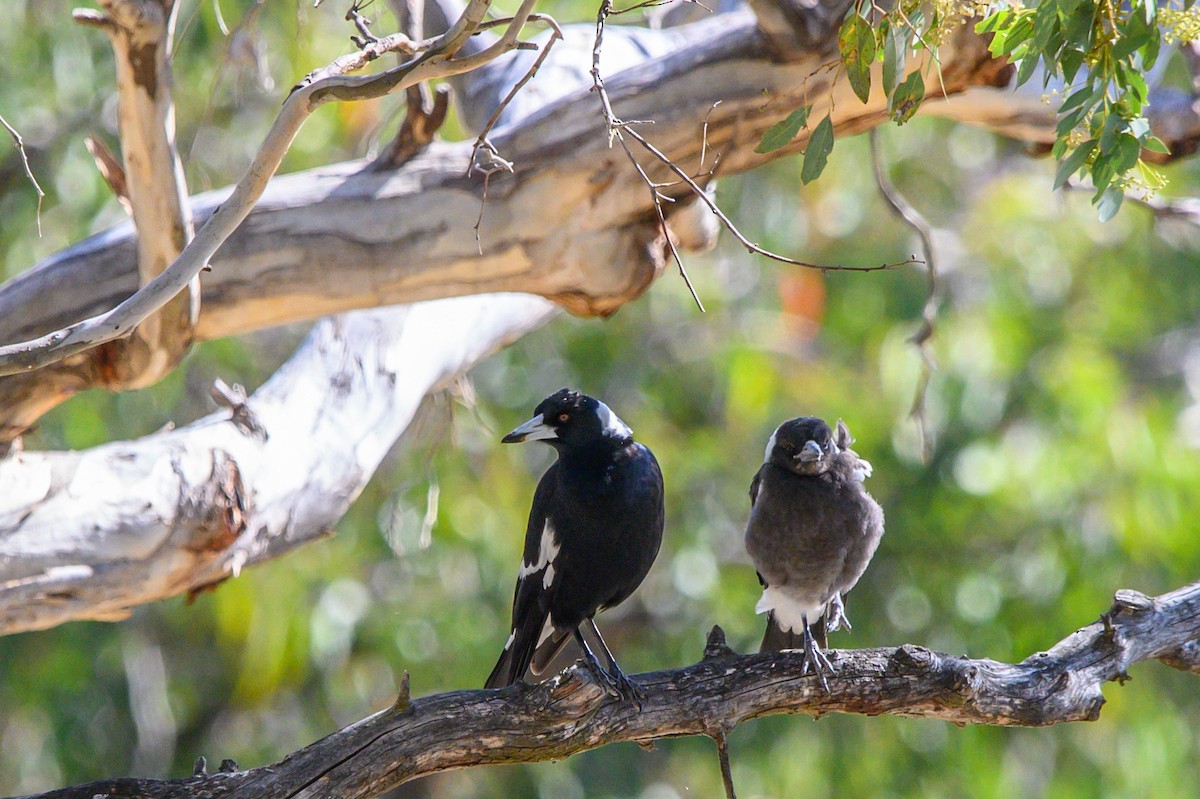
[535, 429]
[810, 452]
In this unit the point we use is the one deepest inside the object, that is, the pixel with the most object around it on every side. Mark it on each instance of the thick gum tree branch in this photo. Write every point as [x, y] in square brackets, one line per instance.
[91, 534]
[570, 713]
[141, 33]
[436, 62]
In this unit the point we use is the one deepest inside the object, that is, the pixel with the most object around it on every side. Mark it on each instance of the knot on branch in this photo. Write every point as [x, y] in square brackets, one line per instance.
[234, 398]
[715, 647]
[910, 657]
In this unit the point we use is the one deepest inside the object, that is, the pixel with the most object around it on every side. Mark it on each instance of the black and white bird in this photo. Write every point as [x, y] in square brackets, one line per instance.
[594, 530]
[812, 531]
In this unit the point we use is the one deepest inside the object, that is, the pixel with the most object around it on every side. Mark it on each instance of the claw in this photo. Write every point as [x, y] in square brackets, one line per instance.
[836, 615]
[815, 659]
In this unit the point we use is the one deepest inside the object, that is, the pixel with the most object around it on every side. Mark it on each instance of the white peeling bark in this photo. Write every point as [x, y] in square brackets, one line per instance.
[88, 535]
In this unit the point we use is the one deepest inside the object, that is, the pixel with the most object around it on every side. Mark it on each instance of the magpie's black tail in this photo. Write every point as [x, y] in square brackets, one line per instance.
[518, 651]
[548, 650]
[776, 639]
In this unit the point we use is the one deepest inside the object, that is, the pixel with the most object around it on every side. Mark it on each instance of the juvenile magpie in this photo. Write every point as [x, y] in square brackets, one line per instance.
[812, 531]
[594, 531]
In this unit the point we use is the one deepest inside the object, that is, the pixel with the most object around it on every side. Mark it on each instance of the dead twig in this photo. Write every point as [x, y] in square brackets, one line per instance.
[618, 128]
[20, 142]
[933, 297]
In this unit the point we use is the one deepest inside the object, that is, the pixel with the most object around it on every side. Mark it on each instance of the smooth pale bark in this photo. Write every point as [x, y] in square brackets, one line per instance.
[569, 713]
[91, 534]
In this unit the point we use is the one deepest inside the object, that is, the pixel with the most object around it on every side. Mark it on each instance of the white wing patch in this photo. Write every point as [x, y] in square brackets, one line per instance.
[511, 637]
[790, 612]
[862, 470]
[547, 552]
[611, 424]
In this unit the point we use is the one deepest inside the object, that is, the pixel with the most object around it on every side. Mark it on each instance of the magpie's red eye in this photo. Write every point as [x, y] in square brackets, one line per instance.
[562, 417]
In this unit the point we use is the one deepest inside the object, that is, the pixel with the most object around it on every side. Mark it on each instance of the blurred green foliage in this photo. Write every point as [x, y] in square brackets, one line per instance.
[1064, 466]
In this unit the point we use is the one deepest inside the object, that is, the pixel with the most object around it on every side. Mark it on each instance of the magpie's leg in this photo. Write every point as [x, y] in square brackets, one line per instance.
[593, 665]
[836, 614]
[814, 658]
[626, 686]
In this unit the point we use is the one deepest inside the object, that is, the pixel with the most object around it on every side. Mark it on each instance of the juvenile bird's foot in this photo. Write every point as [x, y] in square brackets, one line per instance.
[815, 659]
[836, 615]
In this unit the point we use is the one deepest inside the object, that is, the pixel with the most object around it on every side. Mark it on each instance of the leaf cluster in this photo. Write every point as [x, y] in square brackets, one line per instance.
[1100, 50]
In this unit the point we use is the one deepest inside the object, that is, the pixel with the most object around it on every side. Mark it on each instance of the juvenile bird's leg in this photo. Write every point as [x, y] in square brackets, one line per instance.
[627, 687]
[836, 615]
[610, 683]
[814, 658]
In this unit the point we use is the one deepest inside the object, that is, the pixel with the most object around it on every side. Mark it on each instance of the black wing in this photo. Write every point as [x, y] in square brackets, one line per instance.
[531, 600]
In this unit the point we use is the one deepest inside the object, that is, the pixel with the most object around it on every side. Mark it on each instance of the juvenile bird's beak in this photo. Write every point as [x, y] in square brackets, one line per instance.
[810, 453]
[535, 429]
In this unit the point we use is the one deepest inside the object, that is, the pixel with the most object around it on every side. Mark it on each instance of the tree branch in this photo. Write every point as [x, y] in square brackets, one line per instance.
[91, 534]
[570, 713]
[436, 62]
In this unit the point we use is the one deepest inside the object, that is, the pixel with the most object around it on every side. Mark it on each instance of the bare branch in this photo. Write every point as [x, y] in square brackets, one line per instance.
[17, 140]
[570, 713]
[436, 62]
[182, 510]
[933, 297]
[619, 128]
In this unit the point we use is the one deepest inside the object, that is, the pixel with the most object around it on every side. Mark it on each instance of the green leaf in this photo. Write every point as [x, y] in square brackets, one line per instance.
[1069, 61]
[895, 54]
[995, 22]
[1155, 145]
[1078, 99]
[783, 132]
[1112, 126]
[1109, 202]
[856, 40]
[1028, 64]
[907, 98]
[1128, 152]
[1073, 163]
[820, 145]
[1045, 20]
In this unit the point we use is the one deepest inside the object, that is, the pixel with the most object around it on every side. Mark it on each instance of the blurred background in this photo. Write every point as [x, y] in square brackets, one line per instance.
[1063, 419]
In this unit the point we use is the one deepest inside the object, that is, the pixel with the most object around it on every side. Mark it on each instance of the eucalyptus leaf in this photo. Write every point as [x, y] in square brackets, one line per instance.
[779, 134]
[820, 145]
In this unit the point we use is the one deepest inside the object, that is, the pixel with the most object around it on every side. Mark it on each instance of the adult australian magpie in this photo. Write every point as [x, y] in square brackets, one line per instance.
[812, 531]
[594, 530]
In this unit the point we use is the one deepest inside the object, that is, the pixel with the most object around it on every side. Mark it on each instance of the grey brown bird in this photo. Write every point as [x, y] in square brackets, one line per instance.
[812, 531]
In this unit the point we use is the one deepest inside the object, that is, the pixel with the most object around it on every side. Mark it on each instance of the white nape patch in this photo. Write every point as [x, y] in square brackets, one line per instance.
[770, 446]
[511, 637]
[862, 470]
[610, 424]
[789, 612]
[547, 552]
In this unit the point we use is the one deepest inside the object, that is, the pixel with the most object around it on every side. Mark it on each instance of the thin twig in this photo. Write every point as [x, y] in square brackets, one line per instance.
[933, 297]
[556, 35]
[28, 170]
[436, 62]
[614, 127]
[617, 128]
[723, 756]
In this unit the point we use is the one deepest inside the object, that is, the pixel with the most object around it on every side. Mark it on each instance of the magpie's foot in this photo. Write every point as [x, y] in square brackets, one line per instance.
[836, 615]
[628, 689]
[606, 681]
